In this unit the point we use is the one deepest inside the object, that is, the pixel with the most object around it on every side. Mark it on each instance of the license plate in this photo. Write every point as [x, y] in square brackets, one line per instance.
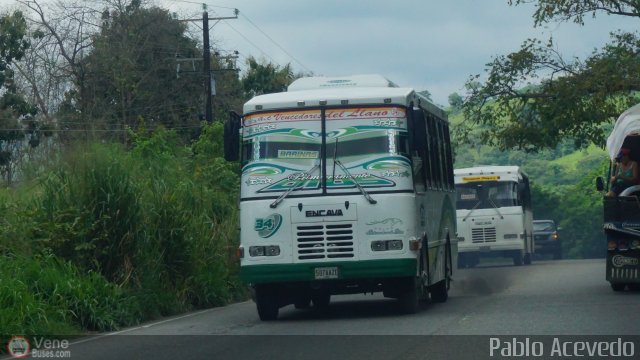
[326, 273]
[485, 248]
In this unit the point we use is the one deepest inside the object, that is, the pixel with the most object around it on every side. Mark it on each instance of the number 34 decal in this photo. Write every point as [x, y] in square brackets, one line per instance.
[268, 226]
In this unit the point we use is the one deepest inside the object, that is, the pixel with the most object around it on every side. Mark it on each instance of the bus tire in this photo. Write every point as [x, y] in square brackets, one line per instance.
[302, 303]
[461, 262]
[618, 287]
[440, 291]
[517, 259]
[267, 303]
[321, 300]
[527, 259]
[409, 299]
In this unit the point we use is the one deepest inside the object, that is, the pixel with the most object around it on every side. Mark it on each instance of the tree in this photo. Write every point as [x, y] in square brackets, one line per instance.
[265, 78]
[534, 98]
[13, 107]
[455, 101]
[60, 34]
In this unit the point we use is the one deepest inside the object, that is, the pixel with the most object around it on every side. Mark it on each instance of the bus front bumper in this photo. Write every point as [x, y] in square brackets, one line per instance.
[320, 271]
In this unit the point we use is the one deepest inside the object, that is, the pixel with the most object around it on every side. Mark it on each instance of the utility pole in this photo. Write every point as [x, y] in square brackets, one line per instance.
[206, 57]
[207, 67]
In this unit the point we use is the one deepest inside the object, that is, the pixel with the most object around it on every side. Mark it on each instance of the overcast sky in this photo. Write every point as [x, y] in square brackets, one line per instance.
[432, 45]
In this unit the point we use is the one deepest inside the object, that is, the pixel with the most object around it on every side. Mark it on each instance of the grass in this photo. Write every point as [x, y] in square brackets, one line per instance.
[112, 236]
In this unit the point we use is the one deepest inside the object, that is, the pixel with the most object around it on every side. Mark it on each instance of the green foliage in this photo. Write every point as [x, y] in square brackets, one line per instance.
[13, 43]
[89, 212]
[533, 98]
[156, 224]
[130, 74]
[153, 225]
[42, 295]
[264, 78]
[575, 10]
[578, 210]
[563, 187]
[455, 102]
[13, 29]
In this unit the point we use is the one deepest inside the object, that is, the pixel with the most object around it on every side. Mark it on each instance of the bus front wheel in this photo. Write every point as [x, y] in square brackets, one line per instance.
[409, 299]
[321, 300]
[267, 302]
[618, 287]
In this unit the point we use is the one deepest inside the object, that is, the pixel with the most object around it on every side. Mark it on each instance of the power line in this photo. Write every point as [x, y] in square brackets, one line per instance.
[250, 42]
[203, 3]
[273, 41]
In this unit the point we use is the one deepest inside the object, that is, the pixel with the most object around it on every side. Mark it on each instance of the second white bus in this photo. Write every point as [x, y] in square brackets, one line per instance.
[494, 216]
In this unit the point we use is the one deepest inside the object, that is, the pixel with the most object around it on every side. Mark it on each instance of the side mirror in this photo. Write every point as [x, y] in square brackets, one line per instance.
[232, 137]
[599, 183]
[419, 132]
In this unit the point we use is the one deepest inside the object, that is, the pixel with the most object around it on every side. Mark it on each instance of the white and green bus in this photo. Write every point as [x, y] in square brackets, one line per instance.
[494, 214]
[347, 187]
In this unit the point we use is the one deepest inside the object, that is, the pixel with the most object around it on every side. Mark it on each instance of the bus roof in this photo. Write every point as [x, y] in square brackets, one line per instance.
[333, 96]
[504, 173]
[323, 82]
[370, 89]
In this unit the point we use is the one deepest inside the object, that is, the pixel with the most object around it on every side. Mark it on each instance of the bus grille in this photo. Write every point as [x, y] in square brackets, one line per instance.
[624, 274]
[481, 235]
[325, 241]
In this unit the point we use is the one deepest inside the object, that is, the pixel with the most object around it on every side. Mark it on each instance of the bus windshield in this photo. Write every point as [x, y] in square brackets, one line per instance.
[486, 194]
[280, 147]
[273, 148]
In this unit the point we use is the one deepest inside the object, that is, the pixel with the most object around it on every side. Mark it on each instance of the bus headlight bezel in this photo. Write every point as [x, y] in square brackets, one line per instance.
[387, 245]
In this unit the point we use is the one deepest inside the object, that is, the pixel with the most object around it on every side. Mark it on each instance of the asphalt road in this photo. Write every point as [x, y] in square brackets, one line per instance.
[553, 298]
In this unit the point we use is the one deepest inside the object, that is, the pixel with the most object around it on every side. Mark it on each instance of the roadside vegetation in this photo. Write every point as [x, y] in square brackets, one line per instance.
[110, 236]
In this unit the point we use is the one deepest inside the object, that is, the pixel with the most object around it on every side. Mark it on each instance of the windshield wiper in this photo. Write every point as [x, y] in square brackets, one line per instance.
[495, 207]
[471, 210]
[303, 177]
[336, 161]
[362, 190]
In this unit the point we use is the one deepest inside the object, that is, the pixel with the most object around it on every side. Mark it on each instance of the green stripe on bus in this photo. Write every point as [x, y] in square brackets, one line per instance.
[367, 269]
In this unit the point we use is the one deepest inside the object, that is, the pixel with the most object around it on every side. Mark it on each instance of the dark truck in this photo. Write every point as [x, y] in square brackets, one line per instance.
[622, 212]
[546, 238]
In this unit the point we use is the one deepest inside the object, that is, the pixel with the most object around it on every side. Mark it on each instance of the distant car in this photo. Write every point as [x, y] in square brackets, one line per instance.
[546, 238]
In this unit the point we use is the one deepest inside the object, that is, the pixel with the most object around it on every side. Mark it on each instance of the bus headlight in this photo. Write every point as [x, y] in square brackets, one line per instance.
[270, 250]
[384, 245]
[394, 244]
[635, 244]
[623, 245]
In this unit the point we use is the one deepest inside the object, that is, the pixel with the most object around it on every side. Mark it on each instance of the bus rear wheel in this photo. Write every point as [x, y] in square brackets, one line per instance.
[440, 291]
[517, 259]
